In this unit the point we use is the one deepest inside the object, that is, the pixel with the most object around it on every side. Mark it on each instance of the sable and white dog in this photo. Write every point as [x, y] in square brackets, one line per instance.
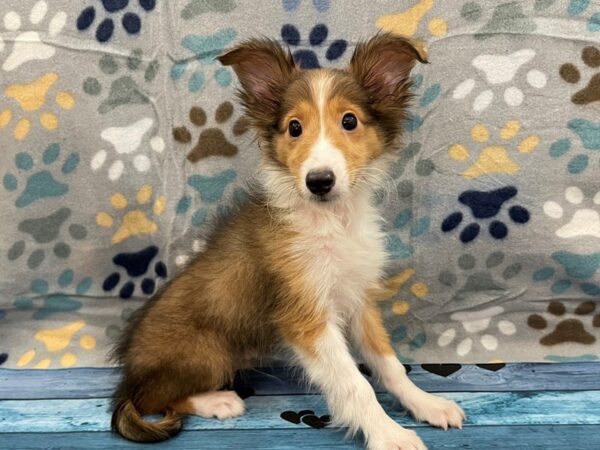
[296, 266]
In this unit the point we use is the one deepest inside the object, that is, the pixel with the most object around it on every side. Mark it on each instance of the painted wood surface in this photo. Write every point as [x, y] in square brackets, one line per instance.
[97, 383]
[571, 437]
[263, 412]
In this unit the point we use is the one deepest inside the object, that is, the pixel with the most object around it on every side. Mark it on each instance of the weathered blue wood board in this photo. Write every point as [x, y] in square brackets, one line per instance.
[99, 383]
[495, 408]
[571, 437]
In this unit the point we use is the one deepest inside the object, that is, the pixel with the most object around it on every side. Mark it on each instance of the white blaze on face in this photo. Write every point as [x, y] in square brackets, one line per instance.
[324, 155]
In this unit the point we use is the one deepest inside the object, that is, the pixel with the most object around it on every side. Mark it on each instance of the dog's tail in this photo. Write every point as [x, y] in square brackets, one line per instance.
[130, 424]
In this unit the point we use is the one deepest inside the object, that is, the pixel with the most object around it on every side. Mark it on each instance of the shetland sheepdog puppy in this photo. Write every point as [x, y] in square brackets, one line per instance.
[295, 268]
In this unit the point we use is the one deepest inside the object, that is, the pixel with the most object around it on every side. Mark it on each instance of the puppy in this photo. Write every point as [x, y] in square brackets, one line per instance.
[296, 266]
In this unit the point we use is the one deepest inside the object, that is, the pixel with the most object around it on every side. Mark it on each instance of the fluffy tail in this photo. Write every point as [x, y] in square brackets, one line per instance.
[130, 424]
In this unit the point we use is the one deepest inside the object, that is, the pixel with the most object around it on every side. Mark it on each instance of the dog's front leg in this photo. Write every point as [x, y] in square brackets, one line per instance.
[370, 335]
[323, 352]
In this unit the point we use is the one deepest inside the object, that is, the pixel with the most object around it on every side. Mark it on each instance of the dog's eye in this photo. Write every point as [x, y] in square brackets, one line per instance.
[295, 128]
[349, 122]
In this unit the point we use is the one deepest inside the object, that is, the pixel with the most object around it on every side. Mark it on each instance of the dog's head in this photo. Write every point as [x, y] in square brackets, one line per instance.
[323, 130]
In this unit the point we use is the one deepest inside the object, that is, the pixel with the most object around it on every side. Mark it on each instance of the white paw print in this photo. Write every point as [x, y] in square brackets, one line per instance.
[127, 140]
[475, 323]
[500, 69]
[28, 44]
[585, 221]
[197, 246]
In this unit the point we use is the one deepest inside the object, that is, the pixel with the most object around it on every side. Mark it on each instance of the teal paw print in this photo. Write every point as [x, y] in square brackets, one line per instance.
[427, 97]
[589, 135]
[411, 228]
[204, 50]
[210, 189]
[228, 209]
[57, 302]
[41, 183]
[195, 8]
[579, 270]
[124, 89]
[577, 8]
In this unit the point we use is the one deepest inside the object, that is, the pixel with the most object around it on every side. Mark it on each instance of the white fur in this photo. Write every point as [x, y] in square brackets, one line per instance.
[219, 404]
[325, 156]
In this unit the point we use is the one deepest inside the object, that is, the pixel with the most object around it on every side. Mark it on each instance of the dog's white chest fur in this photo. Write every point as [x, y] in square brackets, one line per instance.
[342, 252]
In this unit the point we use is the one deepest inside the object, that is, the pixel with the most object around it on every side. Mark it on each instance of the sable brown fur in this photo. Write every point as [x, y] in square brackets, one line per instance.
[247, 292]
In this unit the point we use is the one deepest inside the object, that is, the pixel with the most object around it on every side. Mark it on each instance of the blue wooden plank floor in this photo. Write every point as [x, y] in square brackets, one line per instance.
[517, 406]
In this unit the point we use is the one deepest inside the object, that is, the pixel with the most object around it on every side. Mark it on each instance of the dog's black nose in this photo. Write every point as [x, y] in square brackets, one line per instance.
[320, 182]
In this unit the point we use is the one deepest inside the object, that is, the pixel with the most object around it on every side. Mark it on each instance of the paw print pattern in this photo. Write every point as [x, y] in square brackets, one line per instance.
[308, 58]
[204, 50]
[210, 189]
[476, 327]
[307, 417]
[136, 265]
[486, 205]
[493, 158]
[28, 45]
[126, 143]
[133, 221]
[584, 221]
[479, 283]
[405, 223]
[31, 98]
[574, 329]
[211, 141]
[577, 8]
[506, 18]
[569, 72]
[579, 270]
[55, 302]
[131, 20]
[416, 116]
[55, 341]
[589, 134]
[500, 70]
[41, 184]
[124, 90]
[407, 22]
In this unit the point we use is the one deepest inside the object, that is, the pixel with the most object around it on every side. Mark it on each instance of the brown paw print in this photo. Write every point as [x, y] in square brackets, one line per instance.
[211, 141]
[567, 330]
[571, 74]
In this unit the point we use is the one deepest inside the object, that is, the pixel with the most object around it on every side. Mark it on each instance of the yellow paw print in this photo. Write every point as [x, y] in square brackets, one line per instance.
[55, 340]
[407, 22]
[393, 285]
[493, 158]
[31, 97]
[134, 222]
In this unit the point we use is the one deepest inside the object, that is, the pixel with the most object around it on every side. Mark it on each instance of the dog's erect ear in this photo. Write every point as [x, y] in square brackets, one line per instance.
[382, 66]
[264, 68]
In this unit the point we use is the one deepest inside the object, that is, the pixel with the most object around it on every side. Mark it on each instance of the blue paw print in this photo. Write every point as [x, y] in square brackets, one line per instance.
[205, 49]
[486, 205]
[404, 221]
[307, 58]
[42, 183]
[58, 302]
[415, 117]
[131, 21]
[320, 5]
[137, 265]
[589, 135]
[576, 267]
[578, 7]
[210, 189]
[400, 335]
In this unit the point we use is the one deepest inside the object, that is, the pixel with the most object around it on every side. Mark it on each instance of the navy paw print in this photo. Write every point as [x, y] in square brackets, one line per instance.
[131, 21]
[486, 205]
[137, 265]
[307, 58]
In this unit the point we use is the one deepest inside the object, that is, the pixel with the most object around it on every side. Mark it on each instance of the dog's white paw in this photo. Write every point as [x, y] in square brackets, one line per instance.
[435, 410]
[393, 437]
[220, 404]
